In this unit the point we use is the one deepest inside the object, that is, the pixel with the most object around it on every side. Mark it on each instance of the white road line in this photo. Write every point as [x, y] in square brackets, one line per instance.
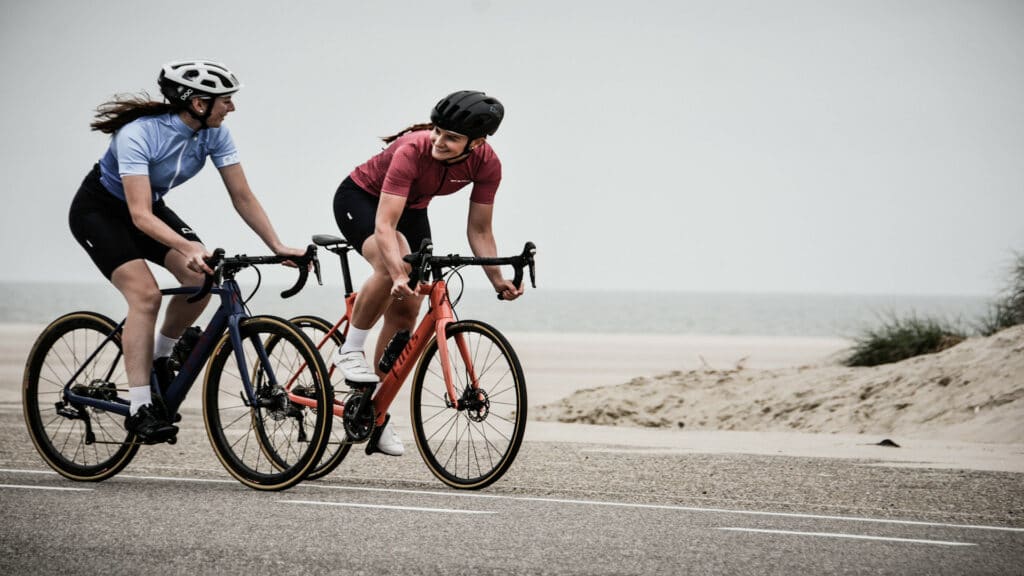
[27, 487]
[852, 536]
[178, 479]
[133, 477]
[379, 506]
[677, 508]
[312, 485]
[20, 471]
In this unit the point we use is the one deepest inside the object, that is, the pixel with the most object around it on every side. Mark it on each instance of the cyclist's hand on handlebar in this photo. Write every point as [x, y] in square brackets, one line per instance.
[400, 289]
[507, 290]
[289, 251]
[196, 257]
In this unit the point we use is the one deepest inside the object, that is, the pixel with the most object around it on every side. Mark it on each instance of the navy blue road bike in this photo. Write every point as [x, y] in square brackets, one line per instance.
[75, 389]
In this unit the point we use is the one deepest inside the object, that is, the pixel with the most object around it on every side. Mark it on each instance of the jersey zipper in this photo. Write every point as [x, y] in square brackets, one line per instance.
[444, 176]
[177, 168]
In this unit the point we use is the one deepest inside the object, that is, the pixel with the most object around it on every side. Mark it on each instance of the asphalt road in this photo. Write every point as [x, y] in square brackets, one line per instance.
[564, 508]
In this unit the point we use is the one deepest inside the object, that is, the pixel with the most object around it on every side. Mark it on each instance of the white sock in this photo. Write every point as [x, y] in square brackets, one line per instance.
[140, 396]
[163, 345]
[354, 340]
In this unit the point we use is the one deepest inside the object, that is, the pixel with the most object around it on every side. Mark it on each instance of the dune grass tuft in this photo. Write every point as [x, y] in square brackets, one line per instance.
[901, 338]
[1008, 310]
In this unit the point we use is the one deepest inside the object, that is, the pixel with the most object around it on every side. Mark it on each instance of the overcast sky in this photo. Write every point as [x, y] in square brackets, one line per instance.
[744, 146]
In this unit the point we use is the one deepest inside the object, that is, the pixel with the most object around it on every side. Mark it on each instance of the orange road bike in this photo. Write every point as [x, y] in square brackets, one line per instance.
[75, 390]
[468, 397]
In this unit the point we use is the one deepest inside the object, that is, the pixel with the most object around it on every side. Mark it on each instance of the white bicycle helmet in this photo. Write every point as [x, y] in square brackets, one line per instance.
[181, 81]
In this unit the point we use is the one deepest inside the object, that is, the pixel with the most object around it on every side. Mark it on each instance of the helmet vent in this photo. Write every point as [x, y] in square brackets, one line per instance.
[202, 77]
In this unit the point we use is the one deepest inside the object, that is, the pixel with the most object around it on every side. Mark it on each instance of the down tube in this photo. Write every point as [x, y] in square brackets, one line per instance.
[393, 380]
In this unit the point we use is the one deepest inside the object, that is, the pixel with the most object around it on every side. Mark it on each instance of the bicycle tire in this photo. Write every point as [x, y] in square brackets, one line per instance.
[271, 445]
[470, 448]
[79, 442]
[338, 445]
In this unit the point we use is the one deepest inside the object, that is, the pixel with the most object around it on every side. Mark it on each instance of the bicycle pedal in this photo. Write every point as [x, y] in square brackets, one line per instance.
[360, 386]
[154, 441]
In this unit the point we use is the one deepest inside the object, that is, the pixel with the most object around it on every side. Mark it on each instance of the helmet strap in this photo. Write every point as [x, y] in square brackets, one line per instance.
[465, 154]
[202, 118]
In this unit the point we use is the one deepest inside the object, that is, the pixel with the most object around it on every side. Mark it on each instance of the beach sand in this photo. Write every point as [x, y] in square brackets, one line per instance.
[962, 408]
[972, 392]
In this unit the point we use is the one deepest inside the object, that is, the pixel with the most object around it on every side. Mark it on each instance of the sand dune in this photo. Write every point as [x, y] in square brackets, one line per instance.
[972, 392]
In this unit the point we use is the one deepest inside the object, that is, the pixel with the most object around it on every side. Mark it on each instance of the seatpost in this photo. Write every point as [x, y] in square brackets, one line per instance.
[343, 256]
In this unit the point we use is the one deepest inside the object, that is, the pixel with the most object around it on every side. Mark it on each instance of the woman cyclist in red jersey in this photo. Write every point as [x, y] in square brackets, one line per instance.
[381, 208]
[119, 216]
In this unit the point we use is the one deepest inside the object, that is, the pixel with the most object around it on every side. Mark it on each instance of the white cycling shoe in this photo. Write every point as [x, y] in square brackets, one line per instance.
[385, 440]
[354, 368]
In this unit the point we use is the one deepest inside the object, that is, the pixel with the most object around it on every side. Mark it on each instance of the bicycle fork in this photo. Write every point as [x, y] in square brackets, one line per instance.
[458, 400]
[269, 396]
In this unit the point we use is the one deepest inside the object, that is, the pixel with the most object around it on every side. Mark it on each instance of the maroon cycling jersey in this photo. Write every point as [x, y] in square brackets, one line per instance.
[406, 168]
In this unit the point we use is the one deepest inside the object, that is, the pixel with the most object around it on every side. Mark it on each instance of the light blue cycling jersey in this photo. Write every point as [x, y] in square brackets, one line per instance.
[164, 148]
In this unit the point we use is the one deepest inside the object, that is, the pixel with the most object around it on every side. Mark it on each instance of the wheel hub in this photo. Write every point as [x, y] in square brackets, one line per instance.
[476, 403]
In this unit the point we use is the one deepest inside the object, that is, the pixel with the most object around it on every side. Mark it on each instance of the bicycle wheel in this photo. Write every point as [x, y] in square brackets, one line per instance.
[263, 439]
[473, 446]
[79, 442]
[337, 445]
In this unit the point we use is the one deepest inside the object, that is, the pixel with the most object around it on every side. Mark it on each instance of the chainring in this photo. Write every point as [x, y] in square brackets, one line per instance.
[358, 418]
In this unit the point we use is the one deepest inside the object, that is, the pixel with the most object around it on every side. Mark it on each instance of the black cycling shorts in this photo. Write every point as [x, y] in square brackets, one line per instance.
[355, 211]
[102, 224]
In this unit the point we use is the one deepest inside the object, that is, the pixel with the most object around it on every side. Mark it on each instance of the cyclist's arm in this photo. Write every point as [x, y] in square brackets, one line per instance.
[139, 196]
[251, 211]
[481, 242]
[389, 210]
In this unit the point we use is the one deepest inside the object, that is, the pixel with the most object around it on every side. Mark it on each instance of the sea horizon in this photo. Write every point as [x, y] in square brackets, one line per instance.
[559, 310]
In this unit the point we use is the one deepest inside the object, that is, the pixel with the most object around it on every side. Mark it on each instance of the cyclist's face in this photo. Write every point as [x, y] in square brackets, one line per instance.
[221, 106]
[446, 144]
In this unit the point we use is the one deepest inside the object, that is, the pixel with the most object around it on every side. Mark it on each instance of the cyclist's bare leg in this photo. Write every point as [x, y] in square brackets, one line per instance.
[374, 300]
[136, 283]
[400, 315]
[180, 314]
[375, 294]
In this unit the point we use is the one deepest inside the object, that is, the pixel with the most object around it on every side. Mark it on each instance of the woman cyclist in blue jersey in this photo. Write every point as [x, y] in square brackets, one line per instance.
[119, 216]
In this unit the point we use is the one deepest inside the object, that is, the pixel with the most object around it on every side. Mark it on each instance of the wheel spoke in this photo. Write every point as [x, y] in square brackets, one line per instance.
[274, 444]
[473, 446]
[59, 353]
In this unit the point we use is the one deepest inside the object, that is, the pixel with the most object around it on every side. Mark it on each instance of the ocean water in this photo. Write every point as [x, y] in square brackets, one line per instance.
[543, 310]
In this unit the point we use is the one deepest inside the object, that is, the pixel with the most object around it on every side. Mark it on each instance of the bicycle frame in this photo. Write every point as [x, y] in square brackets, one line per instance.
[227, 317]
[435, 322]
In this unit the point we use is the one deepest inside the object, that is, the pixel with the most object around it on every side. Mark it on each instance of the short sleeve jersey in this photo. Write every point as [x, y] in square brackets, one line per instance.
[164, 148]
[406, 168]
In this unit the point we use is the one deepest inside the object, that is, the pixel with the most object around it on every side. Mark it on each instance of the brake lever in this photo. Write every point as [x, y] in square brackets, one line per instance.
[528, 253]
[525, 259]
[303, 267]
[213, 262]
[420, 261]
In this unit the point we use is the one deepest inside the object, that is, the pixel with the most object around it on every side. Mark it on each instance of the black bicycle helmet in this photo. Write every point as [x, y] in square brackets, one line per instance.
[468, 112]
